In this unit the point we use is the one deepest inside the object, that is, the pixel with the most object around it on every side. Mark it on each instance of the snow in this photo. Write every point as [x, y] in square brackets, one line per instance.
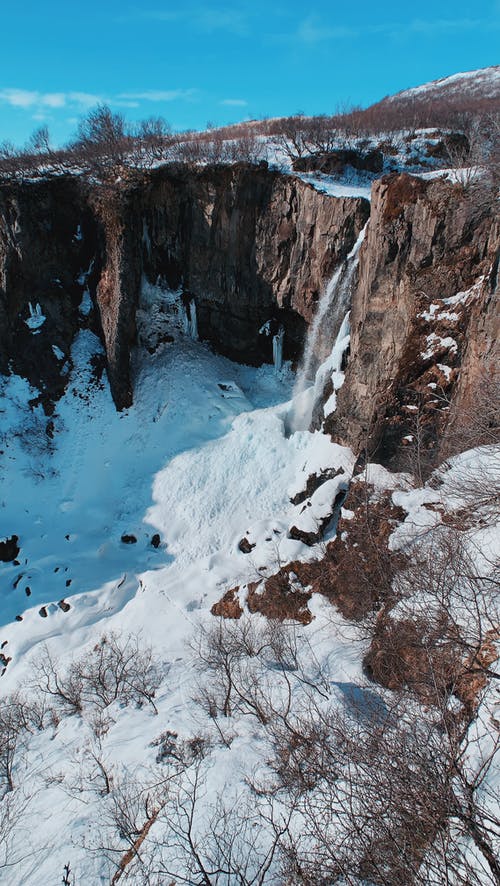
[432, 314]
[436, 343]
[447, 370]
[57, 352]
[85, 306]
[203, 457]
[485, 81]
[328, 184]
[320, 506]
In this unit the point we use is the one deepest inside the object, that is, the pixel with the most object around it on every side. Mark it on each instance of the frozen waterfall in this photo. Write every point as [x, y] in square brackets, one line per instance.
[332, 310]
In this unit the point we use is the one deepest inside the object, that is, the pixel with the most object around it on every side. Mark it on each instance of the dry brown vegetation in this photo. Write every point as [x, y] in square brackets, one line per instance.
[106, 145]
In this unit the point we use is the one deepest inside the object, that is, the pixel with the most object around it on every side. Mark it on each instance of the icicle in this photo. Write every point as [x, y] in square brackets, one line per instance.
[146, 239]
[36, 317]
[278, 348]
[191, 320]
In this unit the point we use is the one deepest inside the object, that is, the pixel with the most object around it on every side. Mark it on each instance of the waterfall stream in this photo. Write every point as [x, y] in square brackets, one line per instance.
[331, 314]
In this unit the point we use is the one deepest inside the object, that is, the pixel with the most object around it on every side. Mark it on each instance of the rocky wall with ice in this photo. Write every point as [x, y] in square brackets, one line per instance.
[47, 239]
[245, 244]
[423, 323]
[248, 245]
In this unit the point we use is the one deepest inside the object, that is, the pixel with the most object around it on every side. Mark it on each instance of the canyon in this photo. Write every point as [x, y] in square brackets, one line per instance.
[248, 245]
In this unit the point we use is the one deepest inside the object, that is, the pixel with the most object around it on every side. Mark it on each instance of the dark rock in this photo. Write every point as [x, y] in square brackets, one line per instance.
[68, 582]
[19, 618]
[64, 605]
[334, 162]
[453, 146]
[245, 546]
[9, 549]
[39, 263]
[155, 540]
[312, 538]
[426, 241]
[246, 242]
[307, 538]
[43, 612]
[314, 481]
[27, 591]
[129, 539]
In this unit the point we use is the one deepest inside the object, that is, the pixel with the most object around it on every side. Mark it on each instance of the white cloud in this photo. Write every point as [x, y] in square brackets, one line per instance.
[202, 18]
[53, 99]
[19, 98]
[234, 102]
[84, 99]
[158, 95]
[27, 98]
[80, 102]
[311, 30]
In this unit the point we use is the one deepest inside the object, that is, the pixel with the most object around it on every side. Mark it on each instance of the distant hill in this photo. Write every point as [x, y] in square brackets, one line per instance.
[481, 84]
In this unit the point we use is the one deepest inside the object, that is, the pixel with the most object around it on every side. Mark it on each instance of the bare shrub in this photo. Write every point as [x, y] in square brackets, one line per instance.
[115, 669]
[19, 718]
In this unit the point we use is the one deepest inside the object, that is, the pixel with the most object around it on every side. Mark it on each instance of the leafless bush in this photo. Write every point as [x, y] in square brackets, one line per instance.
[459, 602]
[253, 669]
[385, 797]
[115, 669]
[103, 138]
[220, 843]
[19, 718]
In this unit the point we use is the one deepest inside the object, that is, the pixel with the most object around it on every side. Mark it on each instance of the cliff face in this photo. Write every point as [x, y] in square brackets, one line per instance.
[47, 237]
[423, 322]
[247, 244]
[251, 245]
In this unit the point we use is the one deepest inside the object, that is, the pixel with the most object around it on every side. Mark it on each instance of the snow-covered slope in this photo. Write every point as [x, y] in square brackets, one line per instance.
[481, 83]
[202, 459]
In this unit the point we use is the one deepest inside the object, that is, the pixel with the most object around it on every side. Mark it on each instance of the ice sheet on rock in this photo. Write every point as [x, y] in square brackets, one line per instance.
[36, 318]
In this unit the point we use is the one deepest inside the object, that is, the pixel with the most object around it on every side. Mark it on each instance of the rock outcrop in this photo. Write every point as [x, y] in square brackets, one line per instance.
[424, 321]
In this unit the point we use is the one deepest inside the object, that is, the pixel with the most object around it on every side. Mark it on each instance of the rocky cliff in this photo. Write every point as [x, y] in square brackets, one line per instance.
[247, 244]
[424, 322]
[47, 236]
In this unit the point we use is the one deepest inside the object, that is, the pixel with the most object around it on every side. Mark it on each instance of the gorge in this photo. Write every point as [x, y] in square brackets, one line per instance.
[248, 525]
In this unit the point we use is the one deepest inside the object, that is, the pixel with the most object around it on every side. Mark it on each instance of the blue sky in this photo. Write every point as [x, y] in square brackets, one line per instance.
[220, 61]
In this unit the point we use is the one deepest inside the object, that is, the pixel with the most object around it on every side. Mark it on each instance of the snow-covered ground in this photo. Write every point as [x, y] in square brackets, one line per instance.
[203, 458]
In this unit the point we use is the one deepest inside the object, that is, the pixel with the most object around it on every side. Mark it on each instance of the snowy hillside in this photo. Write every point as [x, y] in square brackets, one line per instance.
[129, 527]
[482, 83]
[202, 459]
